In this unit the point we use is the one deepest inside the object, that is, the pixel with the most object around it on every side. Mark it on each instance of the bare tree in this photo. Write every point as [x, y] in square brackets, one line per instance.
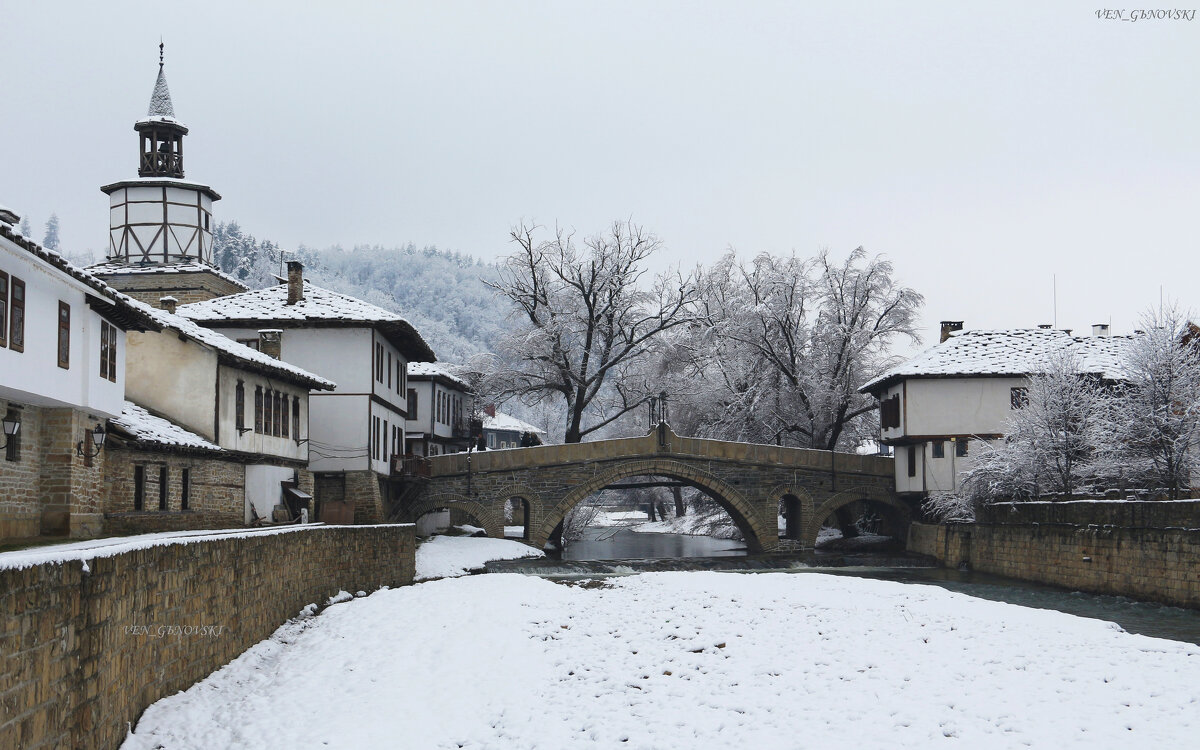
[1156, 421]
[1052, 442]
[587, 320]
[786, 342]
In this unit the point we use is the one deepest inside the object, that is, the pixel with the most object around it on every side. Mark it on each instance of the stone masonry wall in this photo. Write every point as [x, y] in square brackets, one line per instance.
[50, 489]
[185, 287]
[1151, 553]
[86, 648]
[216, 500]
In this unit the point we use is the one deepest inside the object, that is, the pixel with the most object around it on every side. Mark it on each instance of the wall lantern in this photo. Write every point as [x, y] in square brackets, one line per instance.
[97, 440]
[11, 426]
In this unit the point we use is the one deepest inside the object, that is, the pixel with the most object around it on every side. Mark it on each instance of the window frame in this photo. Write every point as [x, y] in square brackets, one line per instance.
[4, 294]
[64, 335]
[258, 409]
[139, 488]
[16, 315]
[912, 461]
[961, 448]
[296, 419]
[164, 488]
[412, 403]
[185, 489]
[239, 406]
[1018, 397]
[284, 418]
[937, 448]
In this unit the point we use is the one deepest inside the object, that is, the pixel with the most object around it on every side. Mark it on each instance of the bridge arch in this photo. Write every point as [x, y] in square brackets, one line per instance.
[531, 501]
[798, 504]
[756, 534]
[483, 515]
[900, 514]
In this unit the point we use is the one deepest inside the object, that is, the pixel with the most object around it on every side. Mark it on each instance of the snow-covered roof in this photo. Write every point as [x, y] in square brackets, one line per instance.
[1011, 352]
[116, 307]
[148, 429]
[160, 100]
[431, 370]
[319, 307]
[504, 421]
[185, 266]
[245, 356]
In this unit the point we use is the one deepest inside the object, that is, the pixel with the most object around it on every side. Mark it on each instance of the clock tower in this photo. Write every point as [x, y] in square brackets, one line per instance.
[160, 225]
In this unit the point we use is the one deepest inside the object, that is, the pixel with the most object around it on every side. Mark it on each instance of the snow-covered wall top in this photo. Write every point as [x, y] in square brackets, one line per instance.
[1018, 351]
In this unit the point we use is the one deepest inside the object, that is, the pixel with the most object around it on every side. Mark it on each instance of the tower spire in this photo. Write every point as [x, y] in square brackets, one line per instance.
[160, 53]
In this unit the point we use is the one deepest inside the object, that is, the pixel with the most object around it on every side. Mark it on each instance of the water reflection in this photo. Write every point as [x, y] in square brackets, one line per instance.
[620, 543]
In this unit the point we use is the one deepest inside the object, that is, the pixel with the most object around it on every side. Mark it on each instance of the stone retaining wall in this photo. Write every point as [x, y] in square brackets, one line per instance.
[1144, 550]
[86, 648]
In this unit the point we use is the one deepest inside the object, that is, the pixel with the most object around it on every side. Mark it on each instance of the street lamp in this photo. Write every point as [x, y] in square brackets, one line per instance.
[97, 439]
[11, 426]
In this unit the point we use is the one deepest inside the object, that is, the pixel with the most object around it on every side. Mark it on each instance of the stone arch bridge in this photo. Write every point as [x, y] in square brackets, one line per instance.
[749, 481]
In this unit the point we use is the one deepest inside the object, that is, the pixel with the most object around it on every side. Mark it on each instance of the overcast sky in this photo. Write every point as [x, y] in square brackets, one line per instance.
[984, 148]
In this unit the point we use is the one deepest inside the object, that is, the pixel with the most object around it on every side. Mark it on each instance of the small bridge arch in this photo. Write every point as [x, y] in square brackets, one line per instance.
[482, 514]
[896, 517]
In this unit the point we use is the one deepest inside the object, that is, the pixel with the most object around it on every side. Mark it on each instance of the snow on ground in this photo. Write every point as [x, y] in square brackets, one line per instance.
[688, 660]
[109, 546]
[693, 524]
[448, 556]
[618, 518]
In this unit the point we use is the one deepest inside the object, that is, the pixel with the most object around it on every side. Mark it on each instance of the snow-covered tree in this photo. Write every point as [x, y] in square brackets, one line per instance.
[1052, 443]
[1155, 424]
[587, 320]
[50, 240]
[26, 230]
[786, 342]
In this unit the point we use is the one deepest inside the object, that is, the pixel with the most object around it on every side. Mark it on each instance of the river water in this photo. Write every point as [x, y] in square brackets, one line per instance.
[609, 551]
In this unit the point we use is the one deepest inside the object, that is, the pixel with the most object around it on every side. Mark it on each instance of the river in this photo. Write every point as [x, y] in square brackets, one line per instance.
[609, 551]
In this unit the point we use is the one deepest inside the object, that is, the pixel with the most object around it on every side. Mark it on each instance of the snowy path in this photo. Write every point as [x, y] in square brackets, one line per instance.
[689, 660]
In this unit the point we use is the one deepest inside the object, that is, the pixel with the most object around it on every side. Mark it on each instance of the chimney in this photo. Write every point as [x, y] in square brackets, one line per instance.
[8, 216]
[168, 303]
[490, 410]
[269, 341]
[295, 281]
[1101, 331]
[949, 327]
[1045, 326]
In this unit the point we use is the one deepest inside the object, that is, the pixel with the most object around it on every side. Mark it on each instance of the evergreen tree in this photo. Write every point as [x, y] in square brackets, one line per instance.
[50, 241]
[26, 230]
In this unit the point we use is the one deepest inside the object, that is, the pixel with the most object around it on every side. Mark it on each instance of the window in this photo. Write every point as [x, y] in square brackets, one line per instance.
[239, 407]
[139, 487]
[283, 416]
[258, 408]
[185, 489]
[379, 361]
[375, 439]
[389, 369]
[277, 420]
[162, 488]
[13, 451]
[268, 411]
[412, 403]
[960, 447]
[939, 448]
[1018, 397]
[296, 419]
[912, 460]
[399, 375]
[384, 448]
[252, 343]
[64, 335]
[889, 412]
[16, 318]
[108, 351]
[3, 309]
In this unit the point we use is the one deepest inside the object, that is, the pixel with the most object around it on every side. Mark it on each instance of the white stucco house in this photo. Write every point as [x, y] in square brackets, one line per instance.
[242, 412]
[439, 410]
[937, 407]
[62, 375]
[357, 429]
[501, 430]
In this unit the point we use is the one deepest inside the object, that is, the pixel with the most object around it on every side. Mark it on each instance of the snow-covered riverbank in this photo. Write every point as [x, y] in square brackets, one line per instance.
[688, 660]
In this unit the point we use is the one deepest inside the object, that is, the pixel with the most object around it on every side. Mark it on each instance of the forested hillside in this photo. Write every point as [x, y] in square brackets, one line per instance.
[440, 292]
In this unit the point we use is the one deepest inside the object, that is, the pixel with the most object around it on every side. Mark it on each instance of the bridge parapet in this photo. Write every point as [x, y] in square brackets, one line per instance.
[654, 444]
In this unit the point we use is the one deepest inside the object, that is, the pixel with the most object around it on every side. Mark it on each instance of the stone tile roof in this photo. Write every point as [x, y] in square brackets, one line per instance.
[148, 429]
[319, 306]
[1011, 352]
